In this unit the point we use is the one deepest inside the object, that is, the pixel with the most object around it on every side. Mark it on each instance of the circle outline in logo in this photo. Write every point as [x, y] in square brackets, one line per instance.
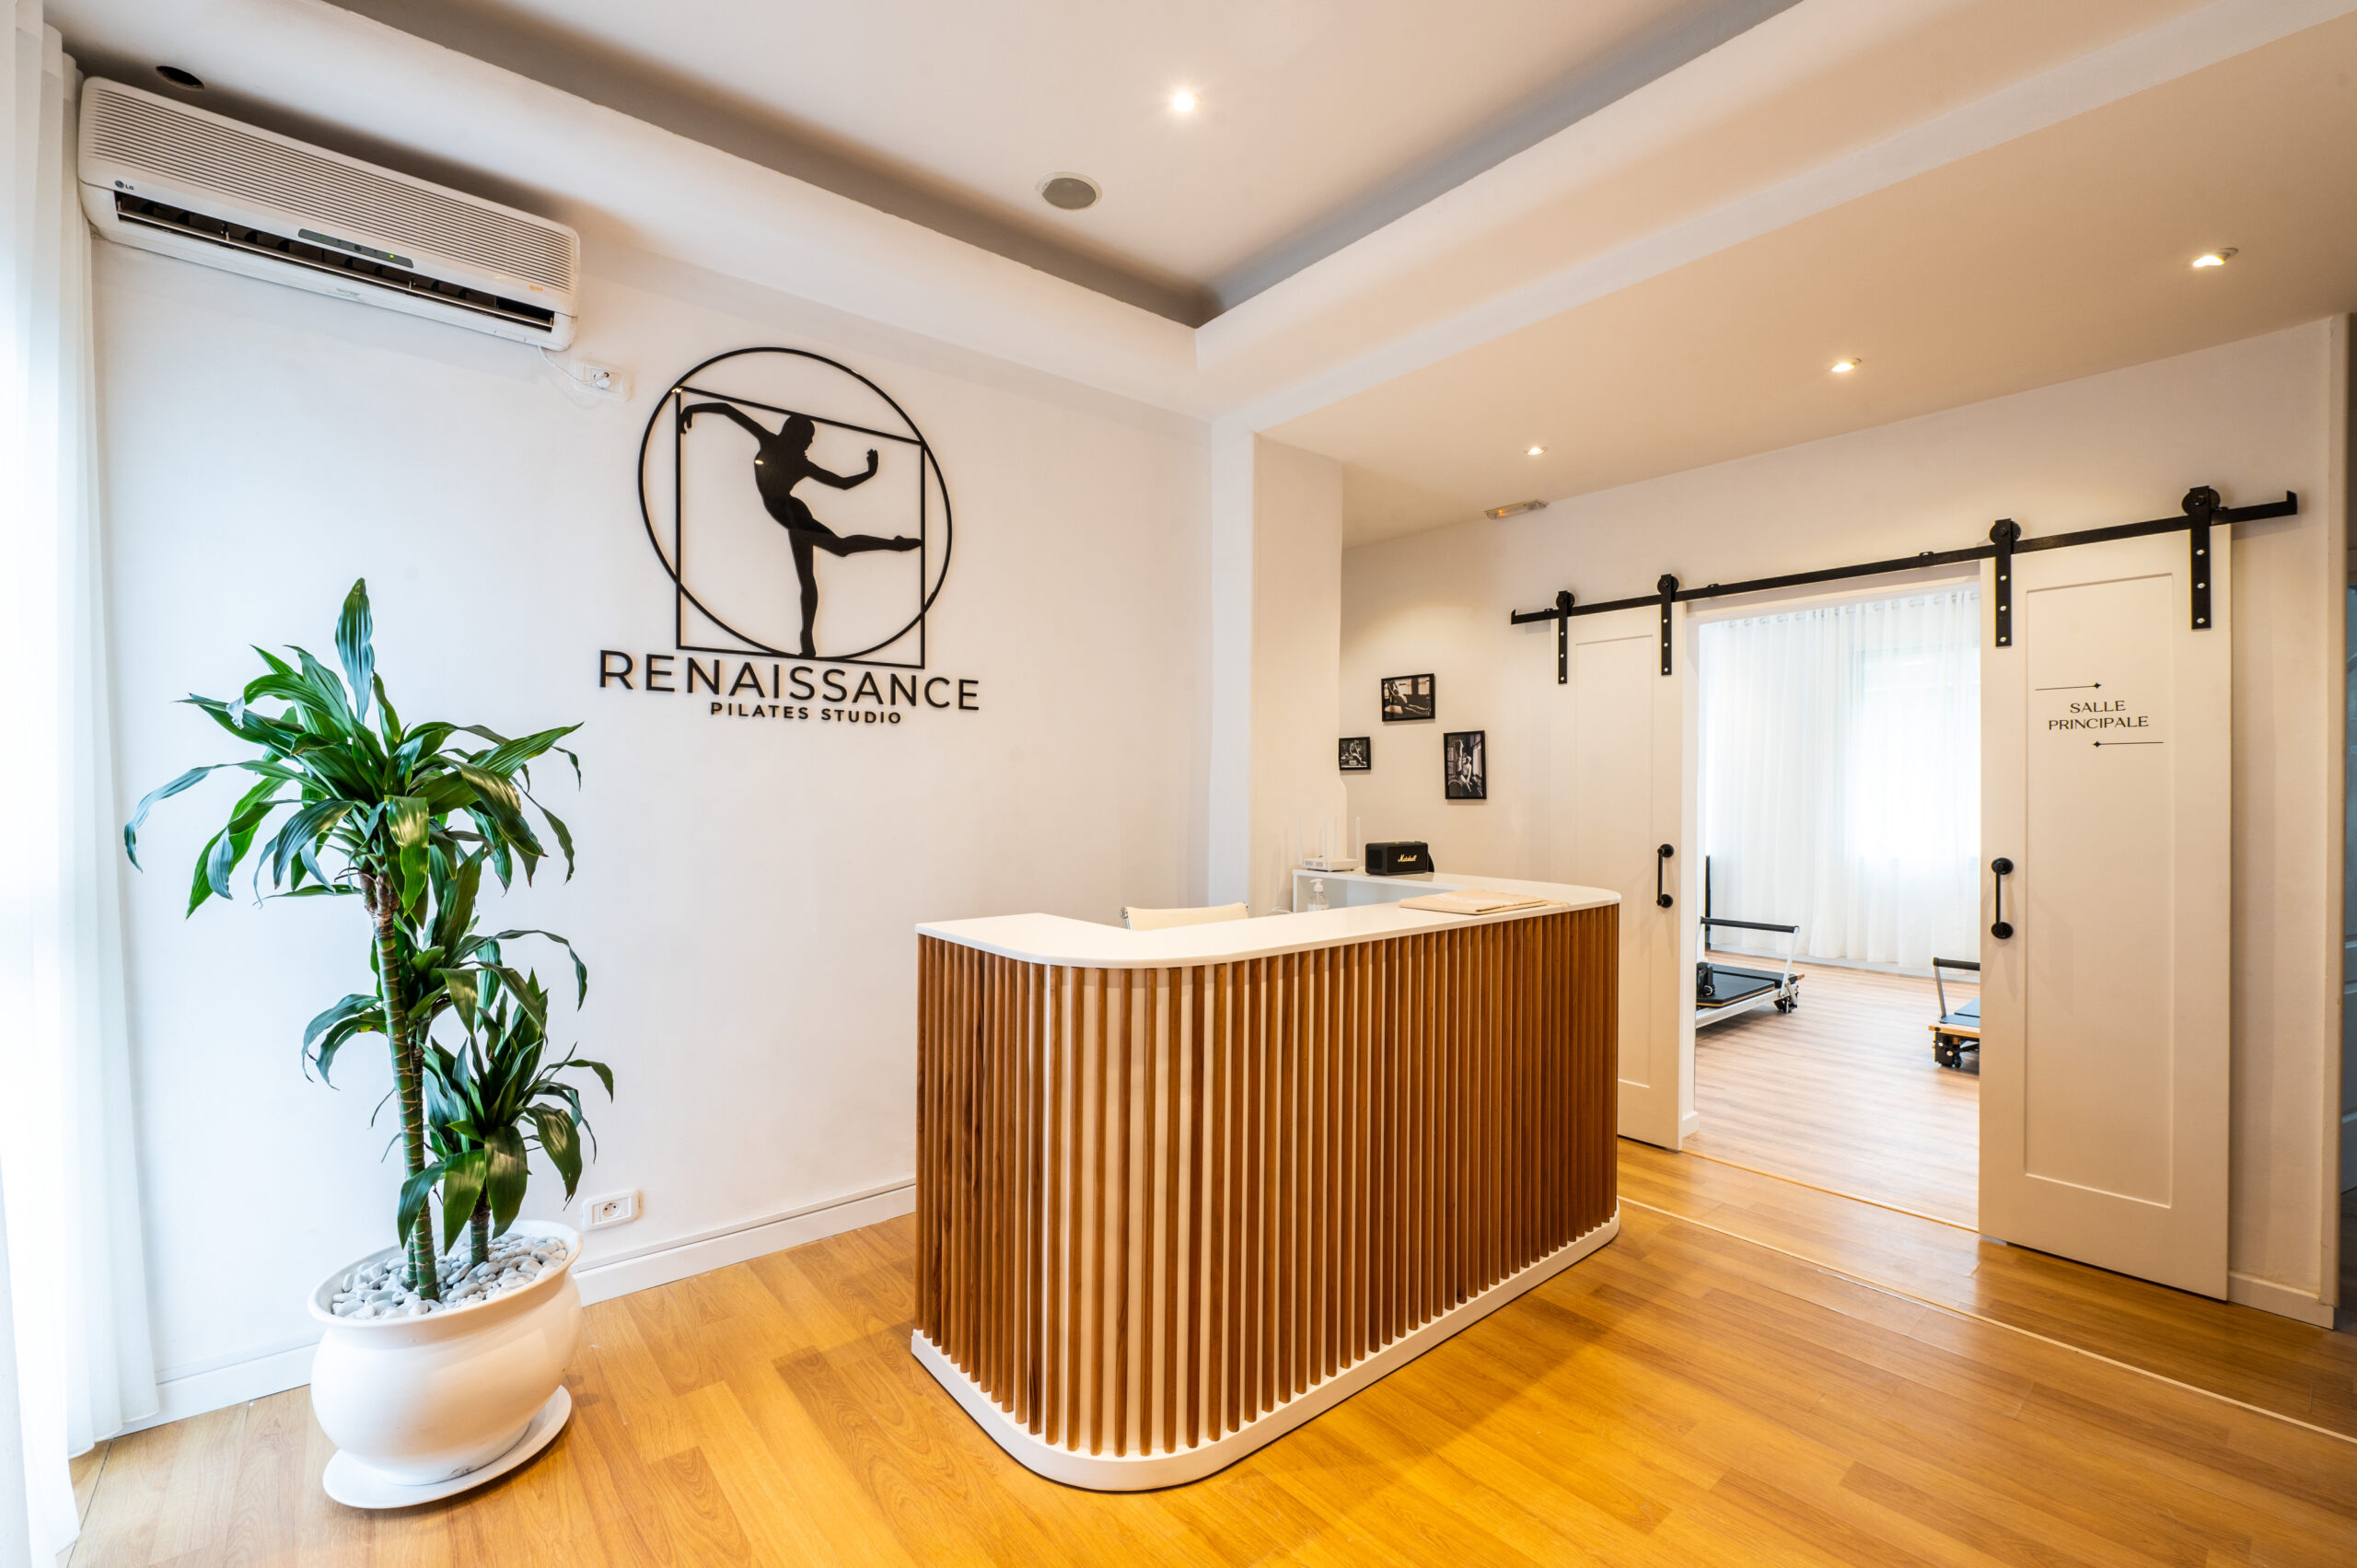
[670, 568]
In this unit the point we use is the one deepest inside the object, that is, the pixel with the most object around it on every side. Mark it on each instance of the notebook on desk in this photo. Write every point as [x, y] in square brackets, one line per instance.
[1473, 900]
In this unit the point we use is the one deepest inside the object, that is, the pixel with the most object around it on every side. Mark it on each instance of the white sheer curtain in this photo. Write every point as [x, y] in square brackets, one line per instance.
[81, 1361]
[1840, 776]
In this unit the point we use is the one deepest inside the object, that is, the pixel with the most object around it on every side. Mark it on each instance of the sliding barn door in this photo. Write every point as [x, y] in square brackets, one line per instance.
[1618, 757]
[2104, 788]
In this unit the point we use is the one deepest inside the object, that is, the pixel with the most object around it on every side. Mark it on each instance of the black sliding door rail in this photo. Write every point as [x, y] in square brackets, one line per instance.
[2201, 510]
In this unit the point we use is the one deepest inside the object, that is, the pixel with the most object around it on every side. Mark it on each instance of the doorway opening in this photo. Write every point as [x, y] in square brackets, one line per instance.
[1839, 814]
[2346, 1316]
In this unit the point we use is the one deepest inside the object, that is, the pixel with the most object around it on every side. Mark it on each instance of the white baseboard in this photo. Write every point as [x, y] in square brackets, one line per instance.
[1687, 1125]
[2283, 1300]
[180, 1398]
[216, 1388]
[666, 1261]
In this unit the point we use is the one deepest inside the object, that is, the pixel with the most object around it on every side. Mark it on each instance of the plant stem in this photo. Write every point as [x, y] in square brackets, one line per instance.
[479, 1233]
[408, 1076]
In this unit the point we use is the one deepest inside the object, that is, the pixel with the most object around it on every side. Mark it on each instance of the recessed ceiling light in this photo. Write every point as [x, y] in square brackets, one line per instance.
[2214, 258]
[1514, 508]
[1843, 366]
[179, 77]
[1069, 191]
[1182, 102]
[1536, 452]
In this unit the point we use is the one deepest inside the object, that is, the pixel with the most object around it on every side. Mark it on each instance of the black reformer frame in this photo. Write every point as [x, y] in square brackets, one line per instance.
[1957, 1032]
[1722, 991]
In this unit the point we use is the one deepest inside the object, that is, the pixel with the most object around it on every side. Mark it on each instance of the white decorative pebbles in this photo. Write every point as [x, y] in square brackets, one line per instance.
[374, 1290]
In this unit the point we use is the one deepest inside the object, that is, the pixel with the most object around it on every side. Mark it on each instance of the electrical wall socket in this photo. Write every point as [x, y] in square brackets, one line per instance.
[607, 382]
[614, 1208]
[603, 380]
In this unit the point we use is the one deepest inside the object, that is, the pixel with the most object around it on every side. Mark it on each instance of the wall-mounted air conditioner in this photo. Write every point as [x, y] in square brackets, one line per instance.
[164, 177]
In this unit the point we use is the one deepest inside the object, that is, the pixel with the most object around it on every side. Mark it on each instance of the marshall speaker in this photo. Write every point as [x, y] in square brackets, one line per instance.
[1398, 859]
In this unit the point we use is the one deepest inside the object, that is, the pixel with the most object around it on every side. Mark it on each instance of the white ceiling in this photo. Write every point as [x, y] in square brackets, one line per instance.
[2056, 255]
[1977, 195]
[1319, 120]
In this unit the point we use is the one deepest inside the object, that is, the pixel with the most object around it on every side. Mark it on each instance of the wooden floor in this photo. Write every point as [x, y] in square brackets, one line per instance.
[2306, 1374]
[1685, 1396]
[1841, 1093]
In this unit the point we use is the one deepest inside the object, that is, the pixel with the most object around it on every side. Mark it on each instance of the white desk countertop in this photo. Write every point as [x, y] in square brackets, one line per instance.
[1057, 939]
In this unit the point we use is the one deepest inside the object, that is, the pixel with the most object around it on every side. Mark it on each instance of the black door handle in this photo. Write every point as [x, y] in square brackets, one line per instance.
[2004, 868]
[1661, 858]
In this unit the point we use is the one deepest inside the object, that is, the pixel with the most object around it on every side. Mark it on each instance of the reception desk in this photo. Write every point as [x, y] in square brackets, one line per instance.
[1179, 1191]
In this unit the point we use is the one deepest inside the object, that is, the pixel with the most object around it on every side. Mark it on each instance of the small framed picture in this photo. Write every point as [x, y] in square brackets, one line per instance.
[1465, 765]
[1407, 698]
[1357, 754]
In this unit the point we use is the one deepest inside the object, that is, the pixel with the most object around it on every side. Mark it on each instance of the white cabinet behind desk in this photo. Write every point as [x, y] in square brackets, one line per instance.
[1346, 890]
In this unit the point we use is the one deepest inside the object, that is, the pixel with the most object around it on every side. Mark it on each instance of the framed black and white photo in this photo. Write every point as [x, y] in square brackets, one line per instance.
[1357, 752]
[1407, 697]
[1465, 765]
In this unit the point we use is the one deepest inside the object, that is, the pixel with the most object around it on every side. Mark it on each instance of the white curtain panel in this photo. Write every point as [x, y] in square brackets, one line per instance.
[16, 1533]
[82, 1361]
[1840, 776]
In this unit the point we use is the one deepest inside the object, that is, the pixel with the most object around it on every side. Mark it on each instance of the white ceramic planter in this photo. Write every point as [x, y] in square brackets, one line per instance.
[423, 1407]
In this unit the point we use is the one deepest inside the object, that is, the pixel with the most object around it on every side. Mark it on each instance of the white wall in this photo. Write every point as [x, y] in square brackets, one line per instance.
[1276, 589]
[1227, 789]
[747, 891]
[1296, 650]
[2251, 418]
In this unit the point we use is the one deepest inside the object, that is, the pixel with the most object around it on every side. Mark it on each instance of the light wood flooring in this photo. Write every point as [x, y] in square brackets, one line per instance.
[2303, 1372]
[1842, 1093]
[1684, 1396]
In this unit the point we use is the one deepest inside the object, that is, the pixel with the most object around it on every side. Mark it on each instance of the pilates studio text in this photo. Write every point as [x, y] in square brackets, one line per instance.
[774, 689]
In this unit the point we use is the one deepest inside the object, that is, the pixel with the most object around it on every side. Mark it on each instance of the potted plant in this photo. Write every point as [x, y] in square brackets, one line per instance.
[485, 1103]
[426, 1402]
[431, 1397]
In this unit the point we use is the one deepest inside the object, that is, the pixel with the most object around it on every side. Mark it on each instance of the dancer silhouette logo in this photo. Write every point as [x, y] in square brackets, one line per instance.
[797, 510]
[800, 515]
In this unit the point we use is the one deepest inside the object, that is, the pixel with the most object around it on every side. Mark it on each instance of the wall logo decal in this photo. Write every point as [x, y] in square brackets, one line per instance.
[736, 472]
[799, 514]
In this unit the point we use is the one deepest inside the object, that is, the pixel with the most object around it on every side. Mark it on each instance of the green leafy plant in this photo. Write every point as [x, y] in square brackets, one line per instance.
[404, 817]
[486, 1103]
[447, 966]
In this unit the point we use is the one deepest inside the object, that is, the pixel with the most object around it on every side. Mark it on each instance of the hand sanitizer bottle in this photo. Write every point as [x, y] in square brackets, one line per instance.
[1318, 893]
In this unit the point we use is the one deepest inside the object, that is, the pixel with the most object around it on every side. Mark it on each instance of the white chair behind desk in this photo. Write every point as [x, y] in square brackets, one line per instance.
[1162, 920]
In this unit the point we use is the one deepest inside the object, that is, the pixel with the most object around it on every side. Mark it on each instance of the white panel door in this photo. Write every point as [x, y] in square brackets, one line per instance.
[2104, 1068]
[1618, 751]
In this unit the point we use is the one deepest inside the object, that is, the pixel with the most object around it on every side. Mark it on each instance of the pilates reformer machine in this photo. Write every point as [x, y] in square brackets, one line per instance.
[1722, 991]
[1957, 1034]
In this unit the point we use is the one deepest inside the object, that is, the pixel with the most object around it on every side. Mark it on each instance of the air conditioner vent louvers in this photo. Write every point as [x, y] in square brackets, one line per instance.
[274, 174]
[166, 178]
[359, 269]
